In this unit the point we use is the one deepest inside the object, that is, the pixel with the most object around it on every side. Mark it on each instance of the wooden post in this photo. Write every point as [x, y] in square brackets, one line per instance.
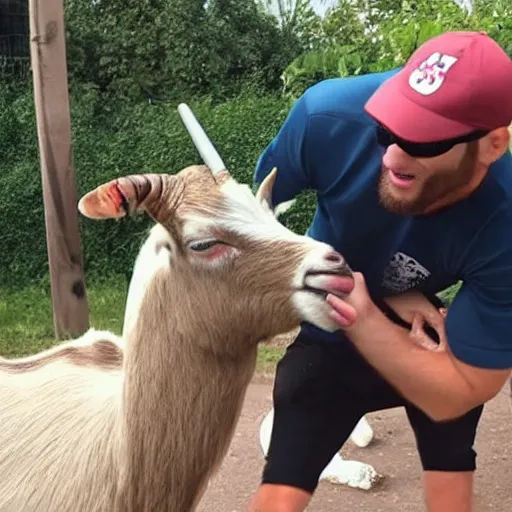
[49, 70]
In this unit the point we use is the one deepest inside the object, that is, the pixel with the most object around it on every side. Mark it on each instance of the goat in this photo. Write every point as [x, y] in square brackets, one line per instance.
[141, 422]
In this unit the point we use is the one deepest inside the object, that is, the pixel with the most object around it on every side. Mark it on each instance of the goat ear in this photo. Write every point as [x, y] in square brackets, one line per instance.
[125, 196]
[264, 193]
[104, 202]
[283, 207]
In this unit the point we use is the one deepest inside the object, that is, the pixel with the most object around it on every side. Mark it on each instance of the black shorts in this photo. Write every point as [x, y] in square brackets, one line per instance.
[321, 391]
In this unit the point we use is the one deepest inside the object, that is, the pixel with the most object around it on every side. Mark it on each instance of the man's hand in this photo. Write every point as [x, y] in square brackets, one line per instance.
[355, 307]
[412, 306]
[418, 335]
[429, 376]
[408, 304]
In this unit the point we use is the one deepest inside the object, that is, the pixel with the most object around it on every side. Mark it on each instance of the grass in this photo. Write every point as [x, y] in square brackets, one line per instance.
[26, 322]
[268, 357]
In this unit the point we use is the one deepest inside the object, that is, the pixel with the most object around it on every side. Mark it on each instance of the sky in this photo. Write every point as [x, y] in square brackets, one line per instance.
[320, 6]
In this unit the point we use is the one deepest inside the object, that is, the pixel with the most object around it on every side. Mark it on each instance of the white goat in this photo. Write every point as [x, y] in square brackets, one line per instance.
[140, 424]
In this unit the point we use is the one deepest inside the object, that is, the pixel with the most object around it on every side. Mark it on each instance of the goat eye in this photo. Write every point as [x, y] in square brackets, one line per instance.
[203, 246]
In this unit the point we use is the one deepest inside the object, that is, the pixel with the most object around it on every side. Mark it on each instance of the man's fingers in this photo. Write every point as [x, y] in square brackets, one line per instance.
[343, 313]
[418, 334]
[417, 324]
[340, 320]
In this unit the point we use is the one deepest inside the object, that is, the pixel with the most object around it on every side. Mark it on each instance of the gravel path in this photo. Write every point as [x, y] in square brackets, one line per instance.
[392, 453]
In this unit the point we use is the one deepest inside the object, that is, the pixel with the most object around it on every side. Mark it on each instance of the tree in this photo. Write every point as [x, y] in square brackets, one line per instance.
[362, 36]
[163, 49]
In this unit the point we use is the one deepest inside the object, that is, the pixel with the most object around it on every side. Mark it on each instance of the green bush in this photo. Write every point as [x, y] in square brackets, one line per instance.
[391, 31]
[111, 140]
[178, 53]
[169, 49]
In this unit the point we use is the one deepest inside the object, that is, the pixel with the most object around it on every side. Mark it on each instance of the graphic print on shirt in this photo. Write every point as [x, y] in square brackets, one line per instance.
[403, 273]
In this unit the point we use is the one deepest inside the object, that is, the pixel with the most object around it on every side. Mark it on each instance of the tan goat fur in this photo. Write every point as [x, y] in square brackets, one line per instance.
[140, 423]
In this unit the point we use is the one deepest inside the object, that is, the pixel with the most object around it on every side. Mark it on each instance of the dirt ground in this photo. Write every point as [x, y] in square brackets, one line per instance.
[392, 453]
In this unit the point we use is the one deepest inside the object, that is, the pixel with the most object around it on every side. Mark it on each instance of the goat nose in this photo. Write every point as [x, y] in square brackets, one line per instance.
[334, 257]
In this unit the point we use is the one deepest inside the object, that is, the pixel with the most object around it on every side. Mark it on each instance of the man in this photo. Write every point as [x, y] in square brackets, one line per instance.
[414, 184]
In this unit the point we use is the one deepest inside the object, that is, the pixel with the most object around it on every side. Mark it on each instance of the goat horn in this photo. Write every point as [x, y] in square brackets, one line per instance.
[203, 144]
[125, 196]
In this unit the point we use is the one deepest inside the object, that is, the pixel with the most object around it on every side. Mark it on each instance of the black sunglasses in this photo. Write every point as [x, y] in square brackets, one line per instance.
[424, 149]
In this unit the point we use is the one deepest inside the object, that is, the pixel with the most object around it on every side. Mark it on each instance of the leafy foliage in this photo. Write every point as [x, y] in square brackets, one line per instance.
[162, 50]
[131, 62]
[387, 34]
[296, 17]
[109, 141]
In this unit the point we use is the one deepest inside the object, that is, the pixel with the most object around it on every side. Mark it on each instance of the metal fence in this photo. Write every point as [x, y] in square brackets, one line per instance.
[14, 39]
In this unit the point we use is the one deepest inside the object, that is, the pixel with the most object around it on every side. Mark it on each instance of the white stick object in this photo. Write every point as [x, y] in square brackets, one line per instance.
[201, 141]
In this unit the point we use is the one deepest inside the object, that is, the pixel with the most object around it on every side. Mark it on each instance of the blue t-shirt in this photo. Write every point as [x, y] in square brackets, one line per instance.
[328, 144]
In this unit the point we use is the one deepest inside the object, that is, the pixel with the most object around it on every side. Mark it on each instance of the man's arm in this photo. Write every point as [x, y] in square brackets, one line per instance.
[436, 381]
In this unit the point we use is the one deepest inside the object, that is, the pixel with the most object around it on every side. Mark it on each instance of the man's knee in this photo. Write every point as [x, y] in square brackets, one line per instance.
[451, 491]
[442, 458]
[279, 498]
[299, 449]
[446, 446]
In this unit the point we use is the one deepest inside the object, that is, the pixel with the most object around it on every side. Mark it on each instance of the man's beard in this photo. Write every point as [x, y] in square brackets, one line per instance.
[433, 189]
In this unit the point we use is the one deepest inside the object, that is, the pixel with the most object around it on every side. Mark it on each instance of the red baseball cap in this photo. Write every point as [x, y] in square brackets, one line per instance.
[453, 84]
